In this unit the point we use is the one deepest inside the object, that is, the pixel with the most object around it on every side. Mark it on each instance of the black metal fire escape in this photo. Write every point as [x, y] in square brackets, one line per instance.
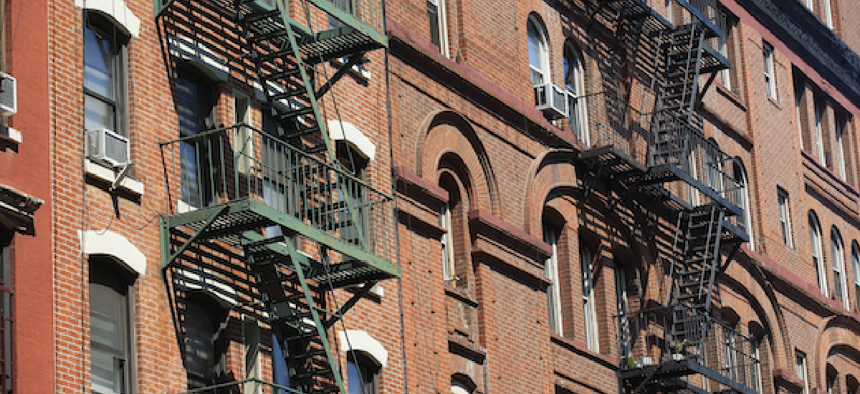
[678, 346]
[301, 225]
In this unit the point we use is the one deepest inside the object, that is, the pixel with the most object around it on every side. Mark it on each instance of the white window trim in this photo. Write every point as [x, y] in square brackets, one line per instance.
[769, 70]
[204, 59]
[441, 11]
[553, 290]
[819, 133]
[447, 241]
[785, 217]
[117, 11]
[362, 341]
[840, 151]
[828, 14]
[838, 250]
[801, 370]
[588, 299]
[855, 260]
[543, 49]
[109, 243]
[818, 253]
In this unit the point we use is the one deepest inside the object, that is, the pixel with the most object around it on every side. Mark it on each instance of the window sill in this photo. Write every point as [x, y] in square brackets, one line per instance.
[357, 70]
[730, 95]
[11, 135]
[106, 174]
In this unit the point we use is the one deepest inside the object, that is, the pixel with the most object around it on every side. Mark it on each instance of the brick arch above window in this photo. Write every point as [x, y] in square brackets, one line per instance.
[446, 134]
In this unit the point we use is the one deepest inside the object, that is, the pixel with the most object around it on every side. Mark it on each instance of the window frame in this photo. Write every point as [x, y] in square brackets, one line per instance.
[769, 70]
[819, 132]
[101, 273]
[817, 249]
[783, 205]
[449, 269]
[366, 369]
[574, 85]
[553, 291]
[801, 370]
[855, 260]
[837, 250]
[118, 80]
[440, 22]
[534, 26]
[589, 307]
[742, 195]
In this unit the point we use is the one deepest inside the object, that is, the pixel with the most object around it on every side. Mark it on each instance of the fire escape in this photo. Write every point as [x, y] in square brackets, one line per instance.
[281, 220]
[678, 346]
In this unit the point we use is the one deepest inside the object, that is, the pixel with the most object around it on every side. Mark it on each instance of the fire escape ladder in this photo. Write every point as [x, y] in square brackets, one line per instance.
[296, 309]
[285, 55]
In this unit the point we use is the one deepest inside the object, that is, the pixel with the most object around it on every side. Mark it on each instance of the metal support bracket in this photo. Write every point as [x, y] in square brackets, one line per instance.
[349, 304]
[195, 236]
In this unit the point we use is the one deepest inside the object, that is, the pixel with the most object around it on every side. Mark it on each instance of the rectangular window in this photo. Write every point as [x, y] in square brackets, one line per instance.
[841, 166]
[553, 293]
[725, 46]
[769, 70]
[104, 76]
[784, 217]
[800, 370]
[109, 332]
[819, 133]
[828, 14]
[855, 262]
[253, 369]
[243, 144]
[447, 243]
[589, 308]
[755, 345]
[438, 25]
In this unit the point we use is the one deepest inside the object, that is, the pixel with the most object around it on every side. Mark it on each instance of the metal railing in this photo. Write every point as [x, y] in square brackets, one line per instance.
[682, 145]
[240, 162]
[247, 386]
[658, 335]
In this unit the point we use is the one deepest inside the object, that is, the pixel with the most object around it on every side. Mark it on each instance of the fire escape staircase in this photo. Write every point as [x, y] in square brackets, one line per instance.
[330, 231]
[704, 230]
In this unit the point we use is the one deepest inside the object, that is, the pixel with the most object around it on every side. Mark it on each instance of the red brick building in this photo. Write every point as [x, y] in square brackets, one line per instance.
[26, 288]
[434, 196]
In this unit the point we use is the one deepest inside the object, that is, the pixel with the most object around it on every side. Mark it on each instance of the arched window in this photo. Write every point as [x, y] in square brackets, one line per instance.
[714, 166]
[452, 219]
[574, 82]
[538, 52]
[361, 373]
[110, 327]
[832, 376]
[551, 235]
[840, 287]
[817, 255]
[744, 221]
[461, 385]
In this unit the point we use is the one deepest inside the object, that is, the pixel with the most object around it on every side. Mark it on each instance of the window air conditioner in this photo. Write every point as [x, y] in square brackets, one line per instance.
[552, 100]
[8, 95]
[107, 147]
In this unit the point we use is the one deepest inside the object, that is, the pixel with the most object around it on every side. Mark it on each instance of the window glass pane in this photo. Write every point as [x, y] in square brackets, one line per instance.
[433, 16]
[280, 373]
[107, 373]
[353, 379]
[99, 56]
[199, 346]
[98, 114]
[107, 317]
[536, 53]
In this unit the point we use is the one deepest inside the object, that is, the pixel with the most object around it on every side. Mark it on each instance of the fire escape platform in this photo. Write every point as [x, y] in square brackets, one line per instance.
[669, 370]
[236, 223]
[353, 36]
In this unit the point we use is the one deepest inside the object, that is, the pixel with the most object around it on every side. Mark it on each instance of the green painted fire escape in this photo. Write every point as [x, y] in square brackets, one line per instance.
[303, 225]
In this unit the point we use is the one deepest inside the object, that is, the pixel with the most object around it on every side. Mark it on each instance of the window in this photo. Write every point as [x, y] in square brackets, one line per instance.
[550, 235]
[589, 308]
[800, 370]
[713, 166]
[769, 70]
[831, 376]
[840, 287]
[280, 372]
[574, 82]
[801, 113]
[110, 332]
[438, 25]
[819, 133]
[755, 347]
[730, 363]
[195, 106]
[458, 387]
[855, 262]
[817, 256]
[203, 342]
[828, 14]
[744, 220]
[725, 45]
[784, 216]
[447, 241]
[808, 4]
[840, 150]
[361, 372]
[538, 56]
[104, 75]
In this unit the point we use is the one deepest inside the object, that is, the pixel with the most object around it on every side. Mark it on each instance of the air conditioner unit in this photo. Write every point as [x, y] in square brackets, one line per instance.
[552, 100]
[8, 95]
[105, 146]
